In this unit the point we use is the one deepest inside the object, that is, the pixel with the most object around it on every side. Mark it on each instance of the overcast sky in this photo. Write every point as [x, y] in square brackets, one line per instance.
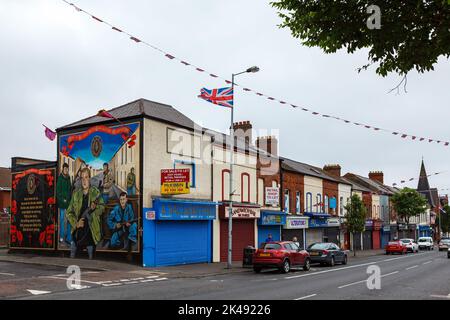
[58, 66]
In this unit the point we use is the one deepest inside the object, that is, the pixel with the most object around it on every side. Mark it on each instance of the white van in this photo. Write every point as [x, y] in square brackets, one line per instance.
[425, 243]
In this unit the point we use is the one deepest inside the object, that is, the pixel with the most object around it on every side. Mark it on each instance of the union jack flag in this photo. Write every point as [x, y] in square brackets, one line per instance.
[222, 97]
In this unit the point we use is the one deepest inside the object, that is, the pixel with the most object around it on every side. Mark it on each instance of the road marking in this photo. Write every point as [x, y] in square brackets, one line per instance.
[350, 267]
[439, 296]
[152, 277]
[7, 274]
[362, 281]
[148, 280]
[306, 297]
[112, 284]
[65, 279]
[38, 292]
[427, 262]
[161, 279]
[411, 267]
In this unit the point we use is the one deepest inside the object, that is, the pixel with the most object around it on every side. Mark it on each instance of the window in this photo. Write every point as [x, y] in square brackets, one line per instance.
[274, 184]
[326, 204]
[225, 185]
[341, 206]
[261, 193]
[181, 164]
[286, 201]
[309, 202]
[245, 187]
[318, 202]
[297, 202]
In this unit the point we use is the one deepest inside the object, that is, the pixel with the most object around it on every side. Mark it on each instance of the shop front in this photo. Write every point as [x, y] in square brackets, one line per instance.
[270, 223]
[178, 232]
[316, 232]
[367, 240]
[425, 231]
[244, 229]
[376, 234]
[295, 226]
[407, 231]
[386, 235]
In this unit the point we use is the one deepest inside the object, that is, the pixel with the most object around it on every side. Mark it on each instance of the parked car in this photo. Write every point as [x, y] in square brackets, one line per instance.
[327, 253]
[426, 243]
[411, 246]
[444, 244]
[283, 255]
[396, 247]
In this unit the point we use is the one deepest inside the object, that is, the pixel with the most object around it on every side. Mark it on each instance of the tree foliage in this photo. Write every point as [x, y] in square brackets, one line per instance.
[356, 214]
[413, 33]
[409, 203]
[444, 217]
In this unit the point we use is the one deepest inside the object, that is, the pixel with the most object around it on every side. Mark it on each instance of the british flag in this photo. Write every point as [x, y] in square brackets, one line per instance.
[222, 97]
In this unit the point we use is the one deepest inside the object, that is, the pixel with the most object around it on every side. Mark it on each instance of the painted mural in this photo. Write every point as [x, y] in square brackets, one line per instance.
[33, 209]
[98, 194]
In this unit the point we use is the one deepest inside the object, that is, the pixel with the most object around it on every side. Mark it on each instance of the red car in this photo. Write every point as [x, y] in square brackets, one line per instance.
[396, 247]
[283, 255]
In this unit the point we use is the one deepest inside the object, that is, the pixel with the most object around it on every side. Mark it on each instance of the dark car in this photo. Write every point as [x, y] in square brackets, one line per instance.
[283, 255]
[327, 253]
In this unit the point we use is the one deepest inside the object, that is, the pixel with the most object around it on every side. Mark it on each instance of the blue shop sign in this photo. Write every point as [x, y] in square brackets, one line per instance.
[424, 228]
[318, 223]
[184, 210]
[271, 218]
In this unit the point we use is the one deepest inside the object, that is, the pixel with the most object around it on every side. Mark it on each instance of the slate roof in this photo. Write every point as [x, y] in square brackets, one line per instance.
[374, 186]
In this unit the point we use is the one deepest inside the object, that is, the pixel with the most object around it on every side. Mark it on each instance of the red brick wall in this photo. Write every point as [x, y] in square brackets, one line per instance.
[268, 169]
[331, 189]
[367, 200]
[294, 182]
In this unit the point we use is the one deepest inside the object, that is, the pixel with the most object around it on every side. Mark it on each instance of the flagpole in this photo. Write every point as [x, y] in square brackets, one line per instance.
[230, 216]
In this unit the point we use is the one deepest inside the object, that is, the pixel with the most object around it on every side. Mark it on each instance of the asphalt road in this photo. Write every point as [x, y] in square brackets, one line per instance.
[424, 275]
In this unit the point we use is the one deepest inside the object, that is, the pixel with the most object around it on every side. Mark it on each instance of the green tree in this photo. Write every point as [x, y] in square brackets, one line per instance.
[409, 203]
[444, 217]
[413, 34]
[355, 216]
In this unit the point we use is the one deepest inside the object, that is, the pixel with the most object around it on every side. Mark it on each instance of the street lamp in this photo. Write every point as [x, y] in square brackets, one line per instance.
[230, 217]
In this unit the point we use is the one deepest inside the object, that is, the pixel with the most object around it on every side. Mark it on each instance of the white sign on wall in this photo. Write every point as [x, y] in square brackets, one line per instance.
[272, 196]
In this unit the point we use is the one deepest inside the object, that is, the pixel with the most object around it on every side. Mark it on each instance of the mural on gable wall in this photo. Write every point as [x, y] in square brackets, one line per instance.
[102, 163]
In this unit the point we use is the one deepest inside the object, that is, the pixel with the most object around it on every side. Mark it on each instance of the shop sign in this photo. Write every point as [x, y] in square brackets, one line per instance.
[318, 223]
[185, 211]
[296, 223]
[273, 219]
[334, 222]
[243, 212]
[175, 181]
[402, 226]
[273, 197]
[387, 228]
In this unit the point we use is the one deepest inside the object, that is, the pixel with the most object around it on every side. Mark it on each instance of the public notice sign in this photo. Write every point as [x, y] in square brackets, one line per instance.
[175, 181]
[33, 209]
[272, 196]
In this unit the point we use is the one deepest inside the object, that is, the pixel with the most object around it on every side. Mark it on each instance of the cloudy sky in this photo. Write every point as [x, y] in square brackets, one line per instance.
[58, 66]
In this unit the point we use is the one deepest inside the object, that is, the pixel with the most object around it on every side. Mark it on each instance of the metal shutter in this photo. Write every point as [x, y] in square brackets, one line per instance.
[243, 236]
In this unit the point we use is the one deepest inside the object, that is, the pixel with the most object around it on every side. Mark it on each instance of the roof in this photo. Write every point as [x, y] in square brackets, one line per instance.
[356, 186]
[373, 186]
[5, 178]
[423, 184]
[309, 170]
[139, 108]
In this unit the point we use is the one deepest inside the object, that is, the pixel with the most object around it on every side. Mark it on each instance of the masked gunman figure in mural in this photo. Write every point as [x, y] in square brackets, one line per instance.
[123, 225]
[63, 195]
[84, 214]
[131, 183]
[107, 183]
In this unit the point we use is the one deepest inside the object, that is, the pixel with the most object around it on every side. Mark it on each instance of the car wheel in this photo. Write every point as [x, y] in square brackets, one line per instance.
[332, 262]
[344, 262]
[257, 269]
[307, 265]
[286, 266]
[387, 253]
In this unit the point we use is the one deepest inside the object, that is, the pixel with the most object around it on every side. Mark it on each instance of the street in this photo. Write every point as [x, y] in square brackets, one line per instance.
[421, 276]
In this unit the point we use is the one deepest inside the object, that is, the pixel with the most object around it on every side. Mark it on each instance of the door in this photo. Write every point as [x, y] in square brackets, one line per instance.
[338, 253]
[299, 259]
[243, 236]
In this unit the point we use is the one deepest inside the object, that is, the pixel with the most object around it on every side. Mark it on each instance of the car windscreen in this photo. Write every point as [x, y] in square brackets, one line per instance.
[318, 246]
[271, 246]
[393, 243]
[445, 241]
[423, 240]
[405, 241]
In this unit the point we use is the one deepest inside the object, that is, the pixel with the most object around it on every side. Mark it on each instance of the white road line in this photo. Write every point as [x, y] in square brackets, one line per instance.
[7, 274]
[152, 277]
[65, 279]
[148, 280]
[349, 267]
[38, 292]
[411, 267]
[306, 297]
[161, 279]
[427, 262]
[112, 284]
[439, 296]
[362, 281]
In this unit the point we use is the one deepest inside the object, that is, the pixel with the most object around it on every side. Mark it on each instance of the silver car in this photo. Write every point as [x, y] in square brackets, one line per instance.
[411, 246]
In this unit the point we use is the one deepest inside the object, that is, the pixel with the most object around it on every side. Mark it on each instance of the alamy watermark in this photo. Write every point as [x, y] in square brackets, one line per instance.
[374, 280]
[374, 21]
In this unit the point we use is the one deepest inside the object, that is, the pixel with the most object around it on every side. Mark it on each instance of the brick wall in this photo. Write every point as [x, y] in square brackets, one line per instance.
[294, 182]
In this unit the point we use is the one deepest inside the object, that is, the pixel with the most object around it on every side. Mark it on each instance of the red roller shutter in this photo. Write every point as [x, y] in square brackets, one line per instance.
[376, 239]
[243, 236]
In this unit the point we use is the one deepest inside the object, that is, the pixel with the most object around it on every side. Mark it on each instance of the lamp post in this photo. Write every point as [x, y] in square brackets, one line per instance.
[230, 217]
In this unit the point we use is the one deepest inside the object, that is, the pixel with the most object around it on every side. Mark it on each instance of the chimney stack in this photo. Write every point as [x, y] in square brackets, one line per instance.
[377, 176]
[268, 144]
[333, 170]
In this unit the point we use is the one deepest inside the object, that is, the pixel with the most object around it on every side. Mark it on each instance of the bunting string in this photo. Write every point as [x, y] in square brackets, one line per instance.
[193, 67]
[413, 179]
